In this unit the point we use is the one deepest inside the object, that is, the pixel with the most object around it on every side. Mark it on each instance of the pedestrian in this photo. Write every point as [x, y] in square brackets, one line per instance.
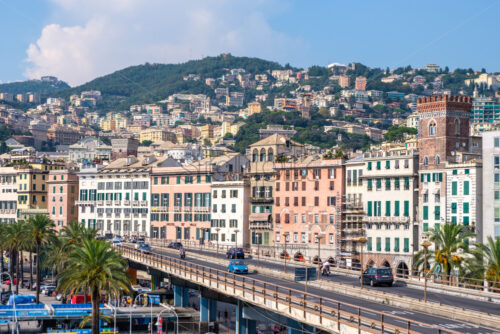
[225, 315]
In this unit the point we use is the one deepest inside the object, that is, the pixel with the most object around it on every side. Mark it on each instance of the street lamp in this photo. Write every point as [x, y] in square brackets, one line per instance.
[426, 245]
[362, 241]
[131, 306]
[14, 299]
[170, 308]
[217, 230]
[285, 235]
[319, 237]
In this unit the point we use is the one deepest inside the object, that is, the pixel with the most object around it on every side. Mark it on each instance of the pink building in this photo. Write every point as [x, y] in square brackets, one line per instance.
[62, 194]
[180, 203]
[308, 205]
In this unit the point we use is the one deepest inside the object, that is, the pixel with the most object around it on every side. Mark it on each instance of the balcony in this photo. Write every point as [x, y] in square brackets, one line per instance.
[177, 208]
[144, 215]
[188, 208]
[201, 209]
[260, 225]
[263, 200]
[100, 203]
[136, 203]
[126, 202]
[144, 203]
[159, 209]
[109, 203]
[382, 219]
[118, 203]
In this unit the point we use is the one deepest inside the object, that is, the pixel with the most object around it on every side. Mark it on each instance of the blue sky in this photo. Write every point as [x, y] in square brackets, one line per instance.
[79, 40]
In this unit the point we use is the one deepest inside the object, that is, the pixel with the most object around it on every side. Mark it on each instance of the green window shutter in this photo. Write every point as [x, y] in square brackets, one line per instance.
[178, 180]
[379, 183]
[437, 212]
[370, 184]
[467, 171]
[440, 177]
[369, 165]
[466, 220]
[454, 207]
[433, 177]
[379, 244]
[454, 220]
[406, 245]
[369, 213]
[396, 244]
[379, 208]
[407, 183]
[426, 227]
[454, 186]
[466, 207]
[388, 164]
[406, 209]
[422, 177]
[387, 184]
[369, 244]
[428, 177]
[387, 208]
[396, 208]
[466, 187]
[387, 244]
[426, 212]
[378, 165]
[455, 172]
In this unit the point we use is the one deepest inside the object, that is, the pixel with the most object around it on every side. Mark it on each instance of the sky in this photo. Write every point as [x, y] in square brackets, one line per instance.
[79, 40]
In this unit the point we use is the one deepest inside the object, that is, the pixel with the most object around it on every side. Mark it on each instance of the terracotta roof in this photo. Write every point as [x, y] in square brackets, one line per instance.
[275, 139]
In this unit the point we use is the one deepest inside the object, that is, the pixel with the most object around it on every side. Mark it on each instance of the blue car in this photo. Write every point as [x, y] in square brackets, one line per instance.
[237, 267]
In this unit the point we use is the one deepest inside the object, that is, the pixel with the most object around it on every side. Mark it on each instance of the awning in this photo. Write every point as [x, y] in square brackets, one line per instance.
[260, 217]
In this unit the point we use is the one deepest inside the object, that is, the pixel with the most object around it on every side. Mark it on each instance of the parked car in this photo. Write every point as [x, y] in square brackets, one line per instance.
[175, 245]
[139, 244]
[116, 242]
[378, 276]
[49, 291]
[235, 253]
[145, 249]
[4, 297]
[237, 267]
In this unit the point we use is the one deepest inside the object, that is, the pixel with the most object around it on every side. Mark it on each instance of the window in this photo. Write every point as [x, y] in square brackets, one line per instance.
[454, 220]
[387, 184]
[387, 244]
[497, 180]
[437, 213]
[387, 208]
[466, 187]
[497, 215]
[369, 209]
[406, 248]
[426, 197]
[454, 187]
[497, 141]
[466, 207]
[426, 227]
[466, 221]
[331, 201]
[438, 160]
[379, 184]
[454, 207]
[379, 163]
[396, 184]
[496, 161]
[379, 244]
[388, 164]
[432, 128]
[369, 244]
[396, 208]
[330, 238]
[369, 167]
[396, 244]
[426, 161]
[406, 211]
[396, 164]
[370, 183]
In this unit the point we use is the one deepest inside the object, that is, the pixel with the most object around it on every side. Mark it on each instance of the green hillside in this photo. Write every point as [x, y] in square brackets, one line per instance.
[152, 82]
[33, 86]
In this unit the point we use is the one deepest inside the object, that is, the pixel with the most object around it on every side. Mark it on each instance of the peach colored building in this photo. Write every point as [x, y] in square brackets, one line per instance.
[308, 205]
[62, 195]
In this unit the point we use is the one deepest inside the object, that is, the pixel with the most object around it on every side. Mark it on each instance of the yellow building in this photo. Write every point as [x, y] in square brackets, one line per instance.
[207, 131]
[155, 135]
[227, 127]
[32, 188]
[254, 108]
[113, 122]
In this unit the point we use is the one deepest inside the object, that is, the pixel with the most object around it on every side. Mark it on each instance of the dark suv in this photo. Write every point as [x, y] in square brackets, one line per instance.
[175, 245]
[235, 253]
[378, 276]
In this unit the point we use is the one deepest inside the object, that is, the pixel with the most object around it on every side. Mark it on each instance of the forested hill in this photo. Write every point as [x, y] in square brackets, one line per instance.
[33, 86]
[152, 82]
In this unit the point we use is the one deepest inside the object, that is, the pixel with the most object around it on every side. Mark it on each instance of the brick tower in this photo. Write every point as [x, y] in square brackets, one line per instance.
[443, 129]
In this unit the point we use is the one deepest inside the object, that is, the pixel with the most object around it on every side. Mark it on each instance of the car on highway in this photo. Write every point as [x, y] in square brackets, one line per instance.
[145, 248]
[175, 245]
[237, 267]
[138, 244]
[116, 242]
[378, 276]
[235, 253]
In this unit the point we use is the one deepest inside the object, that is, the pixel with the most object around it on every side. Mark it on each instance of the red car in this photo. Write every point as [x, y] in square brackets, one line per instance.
[8, 281]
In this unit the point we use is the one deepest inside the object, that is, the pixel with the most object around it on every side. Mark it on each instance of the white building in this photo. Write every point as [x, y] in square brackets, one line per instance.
[89, 149]
[390, 205]
[87, 198]
[8, 194]
[491, 185]
[230, 212]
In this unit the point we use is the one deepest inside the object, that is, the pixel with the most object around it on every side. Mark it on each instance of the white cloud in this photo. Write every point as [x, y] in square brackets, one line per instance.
[117, 33]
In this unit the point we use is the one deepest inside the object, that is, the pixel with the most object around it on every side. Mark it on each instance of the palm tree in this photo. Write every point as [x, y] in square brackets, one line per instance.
[13, 240]
[3, 229]
[75, 233]
[490, 254]
[42, 233]
[97, 268]
[450, 246]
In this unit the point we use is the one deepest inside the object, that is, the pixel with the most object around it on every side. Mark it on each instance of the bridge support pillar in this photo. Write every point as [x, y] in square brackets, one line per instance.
[155, 282]
[208, 309]
[295, 327]
[243, 325]
[181, 296]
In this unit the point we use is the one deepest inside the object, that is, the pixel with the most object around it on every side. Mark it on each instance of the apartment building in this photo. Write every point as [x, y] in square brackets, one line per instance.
[89, 149]
[62, 195]
[230, 211]
[8, 194]
[124, 194]
[353, 213]
[491, 185]
[182, 197]
[155, 134]
[390, 203]
[32, 188]
[263, 156]
[87, 198]
[308, 205]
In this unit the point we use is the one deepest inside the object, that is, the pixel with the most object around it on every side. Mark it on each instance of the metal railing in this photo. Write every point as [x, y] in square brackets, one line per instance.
[304, 307]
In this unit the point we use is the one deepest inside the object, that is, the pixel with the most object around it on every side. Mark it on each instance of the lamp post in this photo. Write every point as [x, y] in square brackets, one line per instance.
[362, 241]
[426, 245]
[170, 308]
[217, 230]
[14, 300]
[236, 238]
[131, 306]
[319, 237]
[285, 235]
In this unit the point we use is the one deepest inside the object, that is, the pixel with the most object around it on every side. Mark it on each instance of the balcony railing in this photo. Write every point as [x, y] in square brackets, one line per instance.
[382, 219]
[261, 199]
[261, 225]
[136, 203]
